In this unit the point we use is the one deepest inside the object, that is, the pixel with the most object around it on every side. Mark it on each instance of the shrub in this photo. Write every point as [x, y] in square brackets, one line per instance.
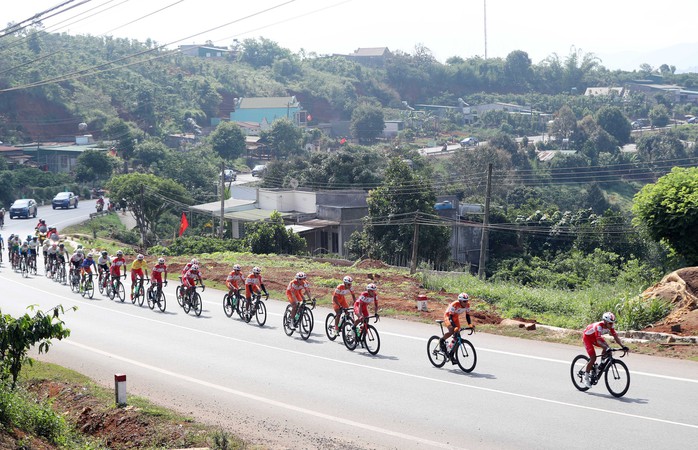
[194, 245]
[19, 410]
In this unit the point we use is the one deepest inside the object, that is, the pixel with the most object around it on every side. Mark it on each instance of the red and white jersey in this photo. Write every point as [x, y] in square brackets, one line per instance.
[367, 297]
[597, 330]
[119, 261]
[344, 291]
[159, 268]
[456, 308]
[193, 275]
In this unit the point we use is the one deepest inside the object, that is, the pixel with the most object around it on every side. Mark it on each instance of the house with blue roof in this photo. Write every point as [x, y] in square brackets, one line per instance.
[265, 110]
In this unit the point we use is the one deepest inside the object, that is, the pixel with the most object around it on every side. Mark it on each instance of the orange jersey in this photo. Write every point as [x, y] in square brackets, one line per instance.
[235, 279]
[341, 296]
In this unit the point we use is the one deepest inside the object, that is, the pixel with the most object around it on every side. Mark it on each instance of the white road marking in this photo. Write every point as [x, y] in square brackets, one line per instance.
[310, 355]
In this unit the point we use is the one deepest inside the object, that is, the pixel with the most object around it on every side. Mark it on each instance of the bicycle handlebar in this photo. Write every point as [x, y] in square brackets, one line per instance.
[471, 329]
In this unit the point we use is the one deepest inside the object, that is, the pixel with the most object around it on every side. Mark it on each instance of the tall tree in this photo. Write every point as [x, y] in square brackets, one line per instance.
[228, 141]
[668, 209]
[614, 122]
[367, 123]
[94, 165]
[284, 138]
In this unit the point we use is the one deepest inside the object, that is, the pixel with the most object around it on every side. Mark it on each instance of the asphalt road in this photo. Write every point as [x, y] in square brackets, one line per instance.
[288, 393]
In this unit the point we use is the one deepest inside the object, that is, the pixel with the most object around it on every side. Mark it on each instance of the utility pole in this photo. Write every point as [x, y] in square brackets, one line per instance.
[140, 222]
[485, 226]
[485, 15]
[220, 231]
[415, 244]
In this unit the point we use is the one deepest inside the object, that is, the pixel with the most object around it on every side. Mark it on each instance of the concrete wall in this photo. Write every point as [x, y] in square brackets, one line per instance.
[286, 201]
[342, 198]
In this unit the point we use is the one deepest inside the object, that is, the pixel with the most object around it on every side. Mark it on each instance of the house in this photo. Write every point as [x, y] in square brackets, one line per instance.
[204, 51]
[13, 155]
[392, 128]
[59, 157]
[265, 110]
[371, 56]
[604, 91]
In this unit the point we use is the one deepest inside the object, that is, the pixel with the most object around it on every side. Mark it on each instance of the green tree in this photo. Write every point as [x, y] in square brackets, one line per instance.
[668, 209]
[273, 237]
[402, 200]
[284, 138]
[94, 165]
[262, 52]
[151, 152]
[614, 122]
[149, 198]
[228, 141]
[124, 134]
[367, 123]
[517, 69]
[18, 335]
[659, 116]
[564, 124]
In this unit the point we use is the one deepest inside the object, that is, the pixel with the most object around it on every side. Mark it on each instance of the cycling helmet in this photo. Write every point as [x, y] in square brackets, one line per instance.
[256, 270]
[79, 246]
[300, 276]
[29, 237]
[140, 257]
[54, 245]
[348, 280]
[609, 317]
[89, 255]
[61, 245]
[371, 287]
[104, 253]
[79, 251]
[194, 261]
[34, 238]
[119, 253]
[42, 221]
[194, 268]
[237, 267]
[463, 297]
[161, 260]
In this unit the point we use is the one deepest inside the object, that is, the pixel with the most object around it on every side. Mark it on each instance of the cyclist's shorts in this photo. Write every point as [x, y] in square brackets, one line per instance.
[294, 296]
[135, 272]
[589, 343]
[342, 303]
[361, 309]
[103, 268]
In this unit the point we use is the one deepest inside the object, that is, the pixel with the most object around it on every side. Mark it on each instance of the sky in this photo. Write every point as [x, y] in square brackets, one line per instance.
[622, 33]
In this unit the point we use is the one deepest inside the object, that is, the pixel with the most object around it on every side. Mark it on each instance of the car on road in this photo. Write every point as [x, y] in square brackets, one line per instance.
[23, 207]
[228, 175]
[469, 141]
[65, 200]
[259, 170]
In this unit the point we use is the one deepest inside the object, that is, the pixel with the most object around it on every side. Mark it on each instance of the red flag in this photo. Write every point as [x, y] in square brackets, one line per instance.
[343, 141]
[183, 224]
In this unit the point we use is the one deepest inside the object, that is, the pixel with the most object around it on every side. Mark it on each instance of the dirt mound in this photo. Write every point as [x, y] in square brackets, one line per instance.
[371, 264]
[680, 288]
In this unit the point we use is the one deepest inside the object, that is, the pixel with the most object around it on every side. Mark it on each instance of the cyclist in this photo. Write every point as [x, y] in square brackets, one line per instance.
[452, 317]
[2, 246]
[370, 295]
[86, 268]
[33, 244]
[295, 290]
[593, 336]
[76, 259]
[115, 269]
[44, 247]
[41, 226]
[159, 270]
[190, 278]
[253, 284]
[24, 251]
[188, 265]
[2, 218]
[61, 254]
[138, 267]
[103, 263]
[339, 299]
[235, 280]
[50, 256]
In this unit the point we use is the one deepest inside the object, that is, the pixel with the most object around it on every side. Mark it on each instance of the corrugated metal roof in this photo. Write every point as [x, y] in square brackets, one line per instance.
[267, 102]
[252, 215]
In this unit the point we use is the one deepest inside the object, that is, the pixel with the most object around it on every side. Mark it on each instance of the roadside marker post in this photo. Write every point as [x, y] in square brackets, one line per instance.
[120, 389]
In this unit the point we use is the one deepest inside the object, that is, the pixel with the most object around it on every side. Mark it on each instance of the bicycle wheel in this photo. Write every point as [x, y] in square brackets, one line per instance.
[141, 296]
[228, 307]
[111, 291]
[162, 301]
[180, 295]
[240, 305]
[329, 327]
[100, 283]
[372, 340]
[186, 304]
[349, 335]
[261, 314]
[617, 377]
[150, 295]
[306, 324]
[196, 303]
[249, 310]
[466, 356]
[23, 268]
[90, 287]
[288, 327]
[436, 356]
[577, 371]
[120, 291]
[74, 283]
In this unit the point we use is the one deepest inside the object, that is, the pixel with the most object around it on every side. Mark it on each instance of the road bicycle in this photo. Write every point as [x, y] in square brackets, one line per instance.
[24, 265]
[138, 295]
[303, 321]
[59, 272]
[459, 350]
[232, 301]
[31, 262]
[255, 307]
[347, 316]
[103, 281]
[116, 289]
[156, 296]
[192, 300]
[74, 279]
[87, 287]
[50, 267]
[615, 373]
[364, 335]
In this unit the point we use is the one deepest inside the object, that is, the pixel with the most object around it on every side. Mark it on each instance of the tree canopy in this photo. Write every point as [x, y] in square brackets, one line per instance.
[668, 209]
[228, 141]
